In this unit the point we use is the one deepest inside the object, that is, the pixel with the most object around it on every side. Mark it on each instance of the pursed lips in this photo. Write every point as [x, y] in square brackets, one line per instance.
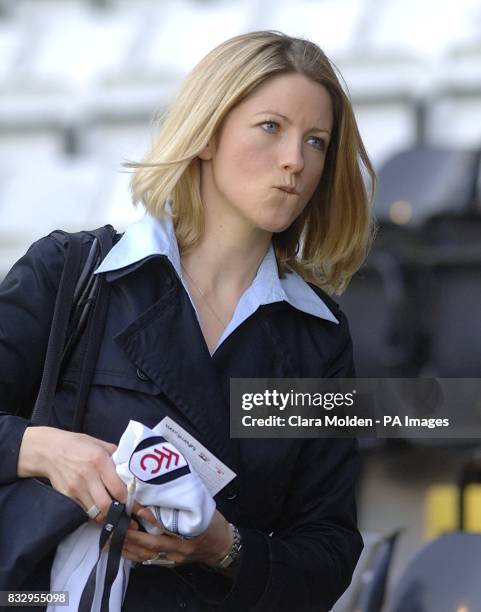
[288, 190]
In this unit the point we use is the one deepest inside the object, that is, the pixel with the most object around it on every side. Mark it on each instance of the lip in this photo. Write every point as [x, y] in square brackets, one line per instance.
[287, 189]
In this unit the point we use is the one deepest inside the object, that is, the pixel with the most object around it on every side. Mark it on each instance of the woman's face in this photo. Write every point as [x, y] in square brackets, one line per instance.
[276, 137]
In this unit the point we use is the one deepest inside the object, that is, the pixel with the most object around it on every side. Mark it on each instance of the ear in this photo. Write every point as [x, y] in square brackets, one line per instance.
[206, 152]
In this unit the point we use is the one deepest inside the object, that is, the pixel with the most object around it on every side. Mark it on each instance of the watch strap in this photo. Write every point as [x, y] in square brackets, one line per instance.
[234, 551]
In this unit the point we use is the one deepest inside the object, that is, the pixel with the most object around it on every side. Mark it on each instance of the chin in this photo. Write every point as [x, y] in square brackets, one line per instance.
[276, 226]
[279, 219]
[278, 229]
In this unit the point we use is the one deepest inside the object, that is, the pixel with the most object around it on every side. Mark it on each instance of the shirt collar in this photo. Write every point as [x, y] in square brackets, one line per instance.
[149, 237]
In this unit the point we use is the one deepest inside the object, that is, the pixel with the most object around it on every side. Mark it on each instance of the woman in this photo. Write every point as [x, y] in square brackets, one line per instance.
[253, 187]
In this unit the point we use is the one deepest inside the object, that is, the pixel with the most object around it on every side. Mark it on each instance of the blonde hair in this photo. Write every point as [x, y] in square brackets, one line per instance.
[330, 239]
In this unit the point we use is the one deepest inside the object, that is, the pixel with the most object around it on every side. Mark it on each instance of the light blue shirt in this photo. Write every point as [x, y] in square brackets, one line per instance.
[150, 236]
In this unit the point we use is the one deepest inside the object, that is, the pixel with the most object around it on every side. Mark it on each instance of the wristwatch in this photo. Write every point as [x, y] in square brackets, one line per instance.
[235, 549]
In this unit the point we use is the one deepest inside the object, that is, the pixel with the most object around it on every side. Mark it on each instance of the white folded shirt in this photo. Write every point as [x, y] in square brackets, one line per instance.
[158, 476]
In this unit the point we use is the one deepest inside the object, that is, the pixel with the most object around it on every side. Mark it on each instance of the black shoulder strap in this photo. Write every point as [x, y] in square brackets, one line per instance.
[58, 333]
[115, 527]
[82, 299]
[96, 303]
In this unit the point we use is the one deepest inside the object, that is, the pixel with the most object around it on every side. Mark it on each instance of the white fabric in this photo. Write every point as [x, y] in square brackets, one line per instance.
[150, 236]
[187, 493]
[75, 557]
[77, 553]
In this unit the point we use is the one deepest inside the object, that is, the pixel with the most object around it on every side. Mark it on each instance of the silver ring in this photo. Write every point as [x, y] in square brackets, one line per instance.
[160, 555]
[93, 512]
[159, 559]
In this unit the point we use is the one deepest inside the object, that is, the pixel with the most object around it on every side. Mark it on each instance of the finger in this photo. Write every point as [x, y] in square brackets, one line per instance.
[139, 553]
[145, 513]
[146, 557]
[103, 500]
[151, 560]
[126, 554]
[132, 541]
[172, 560]
[140, 539]
[112, 482]
[89, 506]
[166, 563]
[141, 543]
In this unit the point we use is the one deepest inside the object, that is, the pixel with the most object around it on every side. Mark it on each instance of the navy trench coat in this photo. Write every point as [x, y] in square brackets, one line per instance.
[292, 499]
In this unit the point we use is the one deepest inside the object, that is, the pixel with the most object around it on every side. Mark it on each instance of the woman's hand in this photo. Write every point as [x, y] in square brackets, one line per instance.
[77, 465]
[209, 547]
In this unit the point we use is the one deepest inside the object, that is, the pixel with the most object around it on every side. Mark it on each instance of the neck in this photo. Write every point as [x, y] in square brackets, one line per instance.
[226, 258]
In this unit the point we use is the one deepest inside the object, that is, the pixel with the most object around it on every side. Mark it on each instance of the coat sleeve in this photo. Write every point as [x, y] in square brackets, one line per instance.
[27, 299]
[308, 561]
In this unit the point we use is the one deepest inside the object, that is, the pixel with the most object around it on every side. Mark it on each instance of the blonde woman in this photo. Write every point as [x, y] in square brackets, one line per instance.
[256, 209]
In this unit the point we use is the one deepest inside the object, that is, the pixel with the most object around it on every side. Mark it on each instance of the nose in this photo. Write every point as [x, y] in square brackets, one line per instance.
[290, 156]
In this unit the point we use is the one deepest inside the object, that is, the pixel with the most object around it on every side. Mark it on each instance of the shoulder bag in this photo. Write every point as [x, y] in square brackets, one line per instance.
[34, 517]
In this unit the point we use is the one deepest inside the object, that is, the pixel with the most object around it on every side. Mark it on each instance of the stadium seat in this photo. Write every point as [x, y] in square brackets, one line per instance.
[367, 589]
[418, 183]
[377, 306]
[448, 297]
[442, 577]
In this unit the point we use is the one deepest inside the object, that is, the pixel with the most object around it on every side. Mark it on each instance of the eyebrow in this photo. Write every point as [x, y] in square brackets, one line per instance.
[271, 112]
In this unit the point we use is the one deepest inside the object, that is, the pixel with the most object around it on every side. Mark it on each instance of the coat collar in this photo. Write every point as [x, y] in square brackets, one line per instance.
[150, 237]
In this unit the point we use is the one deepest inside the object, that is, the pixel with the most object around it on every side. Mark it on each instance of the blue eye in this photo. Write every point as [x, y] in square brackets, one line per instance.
[269, 123]
[321, 143]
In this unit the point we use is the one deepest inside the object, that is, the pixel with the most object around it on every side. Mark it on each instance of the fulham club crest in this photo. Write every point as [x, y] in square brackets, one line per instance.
[156, 461]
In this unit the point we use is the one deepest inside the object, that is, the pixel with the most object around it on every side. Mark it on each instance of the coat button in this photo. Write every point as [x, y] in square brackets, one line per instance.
[232, 497]
[142, 375]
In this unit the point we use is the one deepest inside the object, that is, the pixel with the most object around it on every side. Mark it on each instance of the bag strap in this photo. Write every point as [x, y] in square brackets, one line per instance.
[82, 299]
[113, 561]
[97, 302]
[58, 332]
[115, 527]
